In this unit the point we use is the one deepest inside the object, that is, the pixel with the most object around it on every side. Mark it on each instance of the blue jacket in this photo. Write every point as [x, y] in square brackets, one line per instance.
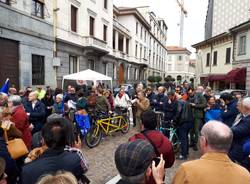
[37, 115]
[52, 161]
[229, 116]
[241, 133]
[160, 98]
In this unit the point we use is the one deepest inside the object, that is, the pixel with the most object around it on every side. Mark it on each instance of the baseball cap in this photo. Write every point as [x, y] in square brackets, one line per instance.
[133, 158]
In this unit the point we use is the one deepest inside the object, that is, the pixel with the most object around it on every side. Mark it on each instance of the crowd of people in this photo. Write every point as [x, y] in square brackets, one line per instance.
[43, 120]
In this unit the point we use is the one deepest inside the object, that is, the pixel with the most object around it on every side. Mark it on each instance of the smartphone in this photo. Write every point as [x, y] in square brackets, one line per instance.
[157, 161]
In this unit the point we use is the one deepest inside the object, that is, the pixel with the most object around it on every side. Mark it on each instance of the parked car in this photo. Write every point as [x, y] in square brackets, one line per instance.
[244, 93]
[129, 89]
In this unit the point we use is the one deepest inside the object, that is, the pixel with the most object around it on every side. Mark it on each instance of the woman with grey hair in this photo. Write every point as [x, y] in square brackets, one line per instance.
[20, 118]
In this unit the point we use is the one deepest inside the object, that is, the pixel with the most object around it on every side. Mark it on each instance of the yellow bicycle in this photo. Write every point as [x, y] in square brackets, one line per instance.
[106, 126]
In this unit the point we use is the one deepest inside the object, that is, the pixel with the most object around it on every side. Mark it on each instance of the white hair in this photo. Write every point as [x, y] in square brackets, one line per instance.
[15, 99]
[59, 96]
[246, 102]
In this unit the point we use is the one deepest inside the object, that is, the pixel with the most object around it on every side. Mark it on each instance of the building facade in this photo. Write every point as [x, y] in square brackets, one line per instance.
[148, 37]
[214, 61]
[26, 43]
[179, 65]
[224, 14]
[84, 36]
[241, 55]
[49, 39]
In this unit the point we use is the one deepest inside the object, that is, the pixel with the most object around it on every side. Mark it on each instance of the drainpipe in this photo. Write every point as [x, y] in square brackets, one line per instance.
[210, 61]
[55, 9]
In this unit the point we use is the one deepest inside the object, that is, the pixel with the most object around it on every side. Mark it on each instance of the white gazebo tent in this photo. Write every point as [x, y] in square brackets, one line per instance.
[87, 75]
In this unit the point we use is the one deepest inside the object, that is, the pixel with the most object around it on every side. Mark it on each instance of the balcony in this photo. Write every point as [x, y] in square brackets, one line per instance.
[95, 45]
[120, 55]
[120, 27]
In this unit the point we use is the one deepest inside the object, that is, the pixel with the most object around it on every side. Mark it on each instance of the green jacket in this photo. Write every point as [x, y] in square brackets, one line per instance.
[200, 104]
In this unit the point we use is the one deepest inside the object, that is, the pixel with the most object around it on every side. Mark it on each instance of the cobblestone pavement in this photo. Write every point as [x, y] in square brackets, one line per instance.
[101, 159]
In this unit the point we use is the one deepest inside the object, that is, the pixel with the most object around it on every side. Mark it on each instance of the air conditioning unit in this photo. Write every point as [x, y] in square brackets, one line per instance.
[56, 62]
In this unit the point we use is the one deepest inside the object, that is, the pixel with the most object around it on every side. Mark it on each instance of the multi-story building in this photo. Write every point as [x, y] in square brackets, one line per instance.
[84, 36]
[49, 39]
[26, 42]
[214, 61]
[240, 76]
[148, 37]
[224, 14]
[179, 65]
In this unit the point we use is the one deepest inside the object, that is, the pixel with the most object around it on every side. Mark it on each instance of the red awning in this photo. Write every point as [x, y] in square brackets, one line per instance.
[216, 77]
[237, 75]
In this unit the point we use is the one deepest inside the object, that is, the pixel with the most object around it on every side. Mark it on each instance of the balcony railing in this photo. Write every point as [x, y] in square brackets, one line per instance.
[90, 41]
[120, 26]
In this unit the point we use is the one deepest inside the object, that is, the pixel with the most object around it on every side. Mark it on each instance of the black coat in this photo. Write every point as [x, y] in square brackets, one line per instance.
[170, 110]
[152, 100]
[52, 161]
[160, 98]
[241, 133]
[229, 116]
[37, 115]
[11, 168]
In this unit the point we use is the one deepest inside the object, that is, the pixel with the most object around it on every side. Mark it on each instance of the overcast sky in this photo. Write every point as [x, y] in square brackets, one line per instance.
[170, 11]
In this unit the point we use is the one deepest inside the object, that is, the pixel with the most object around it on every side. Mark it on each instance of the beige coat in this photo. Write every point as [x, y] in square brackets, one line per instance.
[142, 106]
[211, 168]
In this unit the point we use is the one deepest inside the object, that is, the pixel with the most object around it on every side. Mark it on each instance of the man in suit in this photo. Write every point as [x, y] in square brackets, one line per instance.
[214, 166]
[36, 112]
[241, 133]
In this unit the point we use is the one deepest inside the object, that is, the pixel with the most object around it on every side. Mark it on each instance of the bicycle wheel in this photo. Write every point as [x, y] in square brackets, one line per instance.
[176, 143]
[93, 137]
[125, 124]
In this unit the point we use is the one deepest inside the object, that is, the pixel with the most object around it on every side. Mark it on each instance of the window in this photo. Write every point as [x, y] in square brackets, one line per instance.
[140, 52]
[215, 58]
[208, 59]
[136, 74]
[141, 32]
[145, 36]
[105, 28]
[114, 39]
[91, 26]
[106, 4]
[114, 69]
[169, 67]
[242, 45]
[91, 64]
[136, 27]
[145, 52]
[38, 70]
[228, 55]
[37, 8]
[73, 64]
[127, 46]
[128, 73]
[73, 18]
[136, 47]
[149, 56]
[105, 68]
[180, 58]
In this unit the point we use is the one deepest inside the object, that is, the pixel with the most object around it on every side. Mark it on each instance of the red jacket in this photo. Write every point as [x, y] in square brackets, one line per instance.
[161, 142]
[20, 118]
